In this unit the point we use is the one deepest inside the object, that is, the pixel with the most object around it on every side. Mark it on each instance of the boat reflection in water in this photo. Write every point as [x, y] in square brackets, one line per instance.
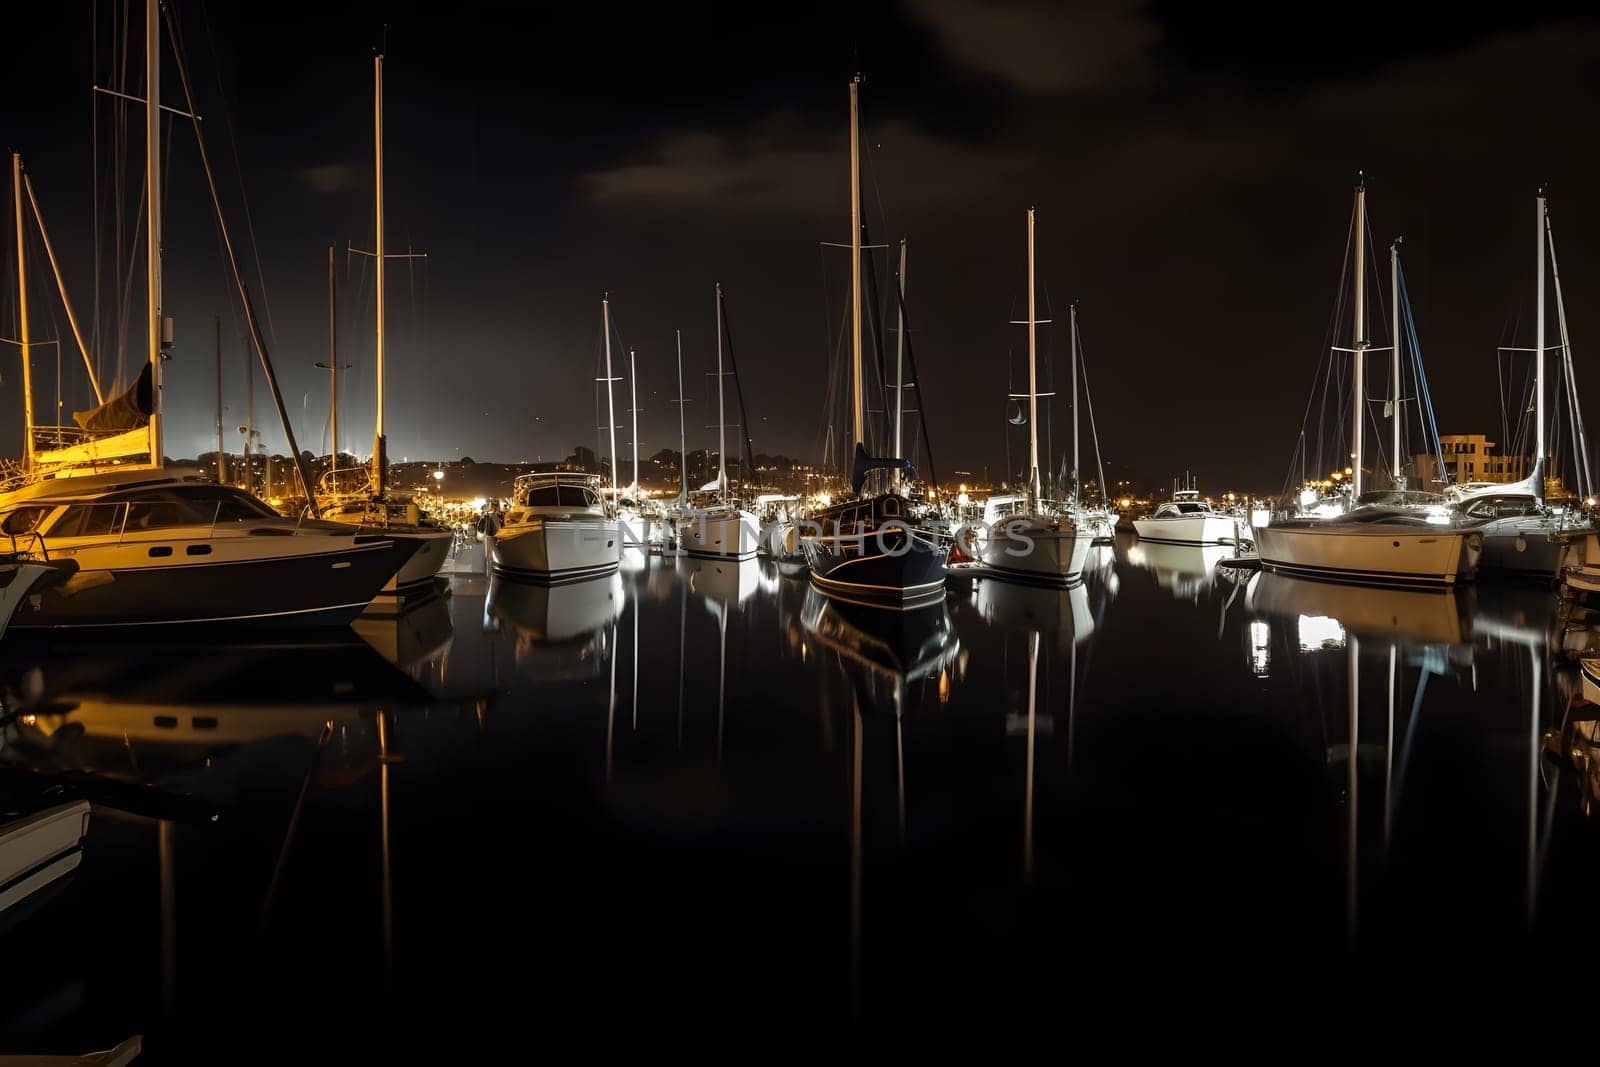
[883, 652]
[135, 711]
[563, 631]
[883, 645]
[1379, 613]
[416, 637]
[1407, 639]
[1185, 571]
[1061, 615]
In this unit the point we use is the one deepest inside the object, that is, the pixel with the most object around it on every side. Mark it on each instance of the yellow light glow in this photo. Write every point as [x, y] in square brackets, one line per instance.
[1125, 503]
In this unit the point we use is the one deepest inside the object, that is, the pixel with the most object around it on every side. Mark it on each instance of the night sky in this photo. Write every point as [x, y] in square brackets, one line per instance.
[1192, 173]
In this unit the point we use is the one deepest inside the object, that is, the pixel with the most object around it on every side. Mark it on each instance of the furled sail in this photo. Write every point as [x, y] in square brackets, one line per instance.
[129, 410]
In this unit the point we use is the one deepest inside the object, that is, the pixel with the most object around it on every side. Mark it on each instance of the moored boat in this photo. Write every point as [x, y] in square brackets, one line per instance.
[557, 529]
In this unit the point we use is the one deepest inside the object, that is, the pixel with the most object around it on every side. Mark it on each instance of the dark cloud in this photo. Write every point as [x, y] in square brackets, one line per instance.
[1046, 46]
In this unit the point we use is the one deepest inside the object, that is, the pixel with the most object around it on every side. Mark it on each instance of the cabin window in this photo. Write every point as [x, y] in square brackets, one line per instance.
[891, 506]
[158, 551]
[23, 520]
[165, 514]
[89, 520]
[561, 496]
[198, 550]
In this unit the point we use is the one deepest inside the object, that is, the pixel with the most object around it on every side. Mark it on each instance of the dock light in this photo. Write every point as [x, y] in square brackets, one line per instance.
[1337, 475]
[1125, 503]
[1588, 501]
[438, 476]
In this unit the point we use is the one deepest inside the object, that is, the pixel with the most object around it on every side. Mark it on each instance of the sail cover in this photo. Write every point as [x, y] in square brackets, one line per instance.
[127, 411]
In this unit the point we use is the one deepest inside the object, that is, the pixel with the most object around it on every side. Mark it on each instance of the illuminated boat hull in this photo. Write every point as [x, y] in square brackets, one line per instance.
[1189, 529]
[433, 548]
[1036, 549]
[1378, 552]
[722, 533]
[558, 550]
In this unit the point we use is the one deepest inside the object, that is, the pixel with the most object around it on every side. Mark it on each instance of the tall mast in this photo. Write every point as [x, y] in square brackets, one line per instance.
[222, 473]
[1033, 385]
[899, 363]
[722, 422]
[379, 460]
[152, 184]
[22, 315]
[61, 287]
[1358, 388]
[683, 443]
[1579, 434]
[633, 395]
[611, 409]
[1073, 312]
[855, 265]
[333, 367]
[1394, 373]
[1538, 364]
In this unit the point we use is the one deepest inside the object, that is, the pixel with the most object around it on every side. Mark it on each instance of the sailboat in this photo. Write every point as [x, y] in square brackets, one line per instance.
[723, 528]
[867, 547]
[1522, 535]
[1395, 537]
[161, 548]
[363, 496]
[559, 527]
[1043, 543]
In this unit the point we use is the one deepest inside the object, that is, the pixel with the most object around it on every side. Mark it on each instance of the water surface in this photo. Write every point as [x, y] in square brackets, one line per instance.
[697, 796]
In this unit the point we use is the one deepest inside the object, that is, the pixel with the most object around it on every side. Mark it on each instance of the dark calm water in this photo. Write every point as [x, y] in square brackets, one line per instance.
[695, 799]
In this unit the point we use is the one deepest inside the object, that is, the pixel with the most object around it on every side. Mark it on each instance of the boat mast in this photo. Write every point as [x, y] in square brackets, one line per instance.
[22, 316]
[152, 184]
[722, 423]
[222, 474]
[1076, 491]
[611, 409]
[61, 287]
[633, 395]
[379, 459]
[1580, 435]
[855, 264]
[683, 443]
[1358, 386]
[899, 363]
[1394, 339]
[1538, 365]
[1033, 385]
[333, 368]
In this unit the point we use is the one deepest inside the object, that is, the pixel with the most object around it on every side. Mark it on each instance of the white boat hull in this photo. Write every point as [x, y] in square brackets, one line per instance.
[40, 848]
[558, 550]
[1189, 529]
[430, 557]
[1376, 553]
[17, 581]
[725, 534]
[1040, 549]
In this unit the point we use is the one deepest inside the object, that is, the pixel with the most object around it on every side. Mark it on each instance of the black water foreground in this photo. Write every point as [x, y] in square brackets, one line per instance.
[696, 799]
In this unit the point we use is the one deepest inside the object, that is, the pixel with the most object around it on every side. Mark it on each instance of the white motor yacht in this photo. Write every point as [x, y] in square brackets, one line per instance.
[1188, 520]
[557, 529]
